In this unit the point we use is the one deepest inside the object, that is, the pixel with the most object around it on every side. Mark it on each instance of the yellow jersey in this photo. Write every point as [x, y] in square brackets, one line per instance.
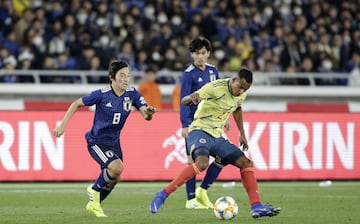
[215, 107]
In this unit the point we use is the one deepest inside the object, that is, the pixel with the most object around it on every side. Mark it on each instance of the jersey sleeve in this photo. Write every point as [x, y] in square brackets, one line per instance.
[92, 98]
[138, 100]
[185, 115]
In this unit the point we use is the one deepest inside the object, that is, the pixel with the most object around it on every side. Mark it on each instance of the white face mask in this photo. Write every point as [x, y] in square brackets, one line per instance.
[297, 11]
[162, 18]
[104, 40]
[38, 40]
[219, 54]
[284, 10]
[149, 12]
[257, 18]
[327, 64]
[82, 18]
[101, 22]
[176, 20]
[139, 37]
[156, 56]
[268, 11]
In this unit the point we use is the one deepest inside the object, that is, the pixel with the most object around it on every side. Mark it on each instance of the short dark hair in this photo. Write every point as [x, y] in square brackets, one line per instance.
[246, 74]
[151, 68]
[115, 66]
[198, 43]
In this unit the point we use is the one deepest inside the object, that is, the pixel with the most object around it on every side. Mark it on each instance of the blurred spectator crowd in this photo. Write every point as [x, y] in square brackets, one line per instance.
[264, 35]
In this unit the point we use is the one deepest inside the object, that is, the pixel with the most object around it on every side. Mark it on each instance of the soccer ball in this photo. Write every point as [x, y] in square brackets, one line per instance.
[225, 208]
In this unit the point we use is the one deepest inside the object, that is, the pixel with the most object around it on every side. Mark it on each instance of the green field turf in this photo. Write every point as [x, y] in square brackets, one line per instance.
[301, 203]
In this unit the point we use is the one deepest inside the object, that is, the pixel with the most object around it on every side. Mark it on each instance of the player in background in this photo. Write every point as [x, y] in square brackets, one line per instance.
[193, 78]
[217, 101]
[113, 106]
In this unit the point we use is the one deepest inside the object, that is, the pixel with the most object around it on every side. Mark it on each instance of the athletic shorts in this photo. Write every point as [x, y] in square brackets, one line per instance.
[105, 154]
[223, 151]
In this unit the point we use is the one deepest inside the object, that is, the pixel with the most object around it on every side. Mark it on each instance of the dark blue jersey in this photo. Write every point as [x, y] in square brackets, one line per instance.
[193, 79]
[111, 113]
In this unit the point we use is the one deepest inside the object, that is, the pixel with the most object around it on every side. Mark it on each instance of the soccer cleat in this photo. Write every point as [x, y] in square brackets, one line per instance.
[202, 197]
[93, 206]
[260, 210]
[194, 204]
[158, 201]
[94, 209]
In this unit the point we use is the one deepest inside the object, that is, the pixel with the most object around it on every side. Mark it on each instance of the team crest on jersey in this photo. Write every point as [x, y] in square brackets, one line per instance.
[127, 104]
[109, 153]
[202, 140]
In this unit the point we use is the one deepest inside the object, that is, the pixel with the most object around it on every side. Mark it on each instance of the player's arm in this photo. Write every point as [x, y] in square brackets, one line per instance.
[147, 112]
[193, 98]
[237, 114]
[185, 111]
[205, 92]
[59, 130]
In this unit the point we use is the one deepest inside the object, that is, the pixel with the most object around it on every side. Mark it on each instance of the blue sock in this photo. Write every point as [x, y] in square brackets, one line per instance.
[211, 174]
[103, 180]
[190, 188]
[104, 192]
[255, 206]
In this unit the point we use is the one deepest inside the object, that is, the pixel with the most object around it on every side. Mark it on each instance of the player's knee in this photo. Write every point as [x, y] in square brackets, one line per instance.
[202, 162]
[201, 158]
[115, 168]
[243, 162]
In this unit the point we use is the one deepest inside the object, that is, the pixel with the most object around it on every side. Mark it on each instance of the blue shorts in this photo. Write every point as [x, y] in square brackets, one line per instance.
[223, 151]
[105, 154]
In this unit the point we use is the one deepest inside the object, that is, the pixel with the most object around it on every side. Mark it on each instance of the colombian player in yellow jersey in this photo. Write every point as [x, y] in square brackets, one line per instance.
[217, 101]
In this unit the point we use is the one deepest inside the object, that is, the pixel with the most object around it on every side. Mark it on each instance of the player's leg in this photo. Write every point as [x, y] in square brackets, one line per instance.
[211, 175]
[200, 155]
[237, 158]
[112, 167]
[190, 185]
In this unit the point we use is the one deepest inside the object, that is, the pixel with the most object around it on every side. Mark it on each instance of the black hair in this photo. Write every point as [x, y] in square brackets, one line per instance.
[115, 66]
[198, 43]
[151, 68]
[246, 74]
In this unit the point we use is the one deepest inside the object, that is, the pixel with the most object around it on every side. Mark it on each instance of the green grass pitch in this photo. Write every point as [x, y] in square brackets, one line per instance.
[301, 202]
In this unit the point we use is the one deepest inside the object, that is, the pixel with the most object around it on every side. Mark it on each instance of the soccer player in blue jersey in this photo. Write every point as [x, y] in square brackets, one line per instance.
[113, 105]
[193, 78]
[217, 101]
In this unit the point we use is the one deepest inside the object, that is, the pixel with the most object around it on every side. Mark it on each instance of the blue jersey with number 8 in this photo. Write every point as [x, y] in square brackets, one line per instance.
[111, 113]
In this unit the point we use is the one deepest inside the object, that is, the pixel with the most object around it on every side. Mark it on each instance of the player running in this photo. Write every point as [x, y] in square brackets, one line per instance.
[113, 106]
[217, 101]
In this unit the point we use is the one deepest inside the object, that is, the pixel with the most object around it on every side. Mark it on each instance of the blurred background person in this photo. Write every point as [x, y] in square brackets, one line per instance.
[149, 88]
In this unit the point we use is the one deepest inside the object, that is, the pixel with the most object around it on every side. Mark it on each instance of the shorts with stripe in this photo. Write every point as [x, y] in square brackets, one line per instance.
[105, 154]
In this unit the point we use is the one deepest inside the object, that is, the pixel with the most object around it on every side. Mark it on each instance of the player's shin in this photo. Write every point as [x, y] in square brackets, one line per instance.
[250, 184]
[187, 173]
[211, 175]
[103, 180]
[104, 192]
[190, 188]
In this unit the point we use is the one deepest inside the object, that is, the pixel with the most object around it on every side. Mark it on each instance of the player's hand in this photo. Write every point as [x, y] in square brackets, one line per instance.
[184, 132]
[150, 110]
[58, 131]
[195, 98]
[243, 143]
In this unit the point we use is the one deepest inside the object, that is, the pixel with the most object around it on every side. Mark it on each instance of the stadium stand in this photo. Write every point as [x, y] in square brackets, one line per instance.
[61, 49]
